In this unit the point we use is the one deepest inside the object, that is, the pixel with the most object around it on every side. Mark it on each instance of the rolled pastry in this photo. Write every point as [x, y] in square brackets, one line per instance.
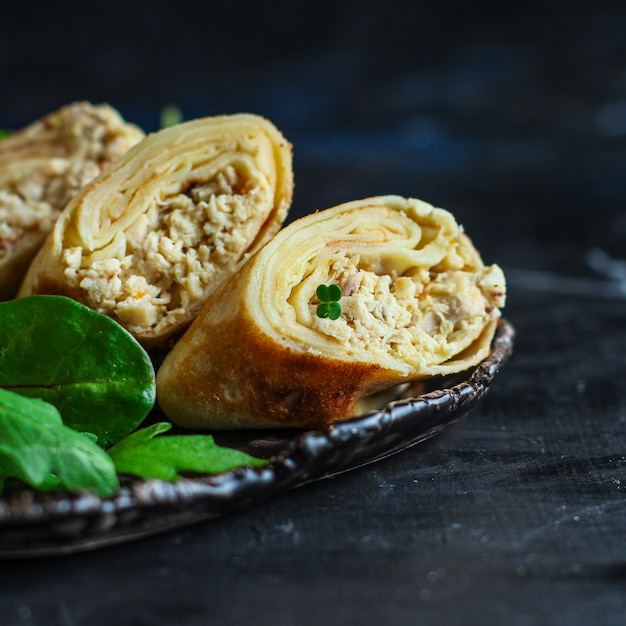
[42, 167]
[152, 237]
[416, 301]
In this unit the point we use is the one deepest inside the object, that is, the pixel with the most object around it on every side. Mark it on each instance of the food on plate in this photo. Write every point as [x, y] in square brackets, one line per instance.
[74, 384]
[150, 239]
[40, 451]
[339, 305]
[85, 364]
[41, 167]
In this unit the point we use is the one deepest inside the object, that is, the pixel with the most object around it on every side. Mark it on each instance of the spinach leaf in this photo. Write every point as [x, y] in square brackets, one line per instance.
[145, 455]
[39, 450]
[84, 363]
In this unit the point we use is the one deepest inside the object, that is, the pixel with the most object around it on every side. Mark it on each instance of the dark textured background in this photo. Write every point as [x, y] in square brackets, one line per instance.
[514, 118]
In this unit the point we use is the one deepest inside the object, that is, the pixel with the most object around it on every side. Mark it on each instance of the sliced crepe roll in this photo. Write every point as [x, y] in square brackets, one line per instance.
[414, 301]
[149, 240]
[42, 167]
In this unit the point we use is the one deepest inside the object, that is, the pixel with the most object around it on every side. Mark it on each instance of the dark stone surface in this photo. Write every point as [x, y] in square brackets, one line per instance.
[515, 120]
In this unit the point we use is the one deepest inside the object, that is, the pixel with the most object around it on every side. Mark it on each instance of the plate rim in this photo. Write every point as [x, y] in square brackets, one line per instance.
[48, 524]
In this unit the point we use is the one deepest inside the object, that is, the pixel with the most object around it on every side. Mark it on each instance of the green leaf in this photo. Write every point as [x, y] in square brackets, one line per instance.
[170, 116]
[39, 450]
[145, 455]
[322, 310]
[329, 296]
[331, 310]
[322, 293]
[334, 293]
[334, 310]
[85, 364]
[4, 133]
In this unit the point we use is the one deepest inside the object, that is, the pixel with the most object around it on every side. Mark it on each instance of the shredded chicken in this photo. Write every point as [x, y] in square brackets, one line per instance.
[421, 312]
[173, 252]
[44, 166]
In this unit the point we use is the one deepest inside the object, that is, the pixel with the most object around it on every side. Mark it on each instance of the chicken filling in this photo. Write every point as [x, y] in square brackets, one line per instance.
[34, 189]
[422, 312]
[32, 204]
[174, 253]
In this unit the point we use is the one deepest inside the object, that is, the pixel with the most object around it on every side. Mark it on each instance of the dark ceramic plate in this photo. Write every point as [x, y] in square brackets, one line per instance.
[35, 524]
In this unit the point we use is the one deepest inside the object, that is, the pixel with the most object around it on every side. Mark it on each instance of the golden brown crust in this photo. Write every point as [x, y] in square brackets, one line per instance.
[155, 234]
[251, 381]
[417, 302]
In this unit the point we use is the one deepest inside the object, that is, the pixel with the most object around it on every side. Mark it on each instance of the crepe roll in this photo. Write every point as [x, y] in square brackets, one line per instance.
[341, 304]
[41, 167]
[150, 239]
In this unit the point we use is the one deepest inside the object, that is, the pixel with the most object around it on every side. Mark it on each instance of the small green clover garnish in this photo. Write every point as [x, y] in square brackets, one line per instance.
[329, 296]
